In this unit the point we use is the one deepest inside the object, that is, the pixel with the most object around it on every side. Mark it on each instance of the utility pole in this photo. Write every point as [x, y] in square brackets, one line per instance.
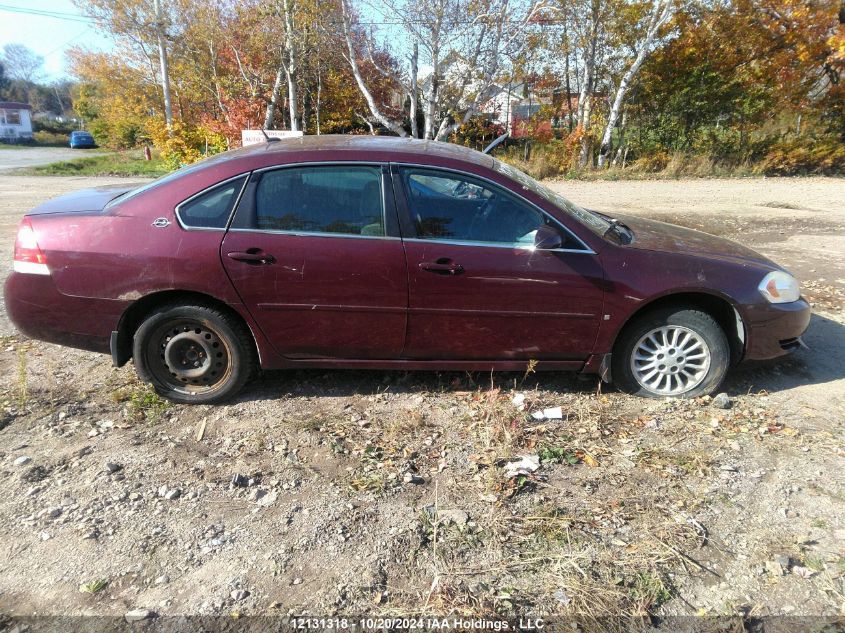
[162, 56]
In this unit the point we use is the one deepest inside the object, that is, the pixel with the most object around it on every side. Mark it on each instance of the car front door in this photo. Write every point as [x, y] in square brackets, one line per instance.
[478, 288]
[315, 255]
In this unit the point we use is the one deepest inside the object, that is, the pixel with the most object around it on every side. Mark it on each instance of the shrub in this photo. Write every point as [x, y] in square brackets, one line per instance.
[798, 157]
[183, 144]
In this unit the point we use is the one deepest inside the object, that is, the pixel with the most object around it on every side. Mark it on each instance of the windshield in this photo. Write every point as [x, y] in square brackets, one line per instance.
[591, 220]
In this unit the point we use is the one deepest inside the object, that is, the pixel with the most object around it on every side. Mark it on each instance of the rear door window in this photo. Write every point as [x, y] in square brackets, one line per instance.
[333, 199]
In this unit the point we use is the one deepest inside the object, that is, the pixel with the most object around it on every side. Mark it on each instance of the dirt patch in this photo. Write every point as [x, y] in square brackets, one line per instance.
[386, 493]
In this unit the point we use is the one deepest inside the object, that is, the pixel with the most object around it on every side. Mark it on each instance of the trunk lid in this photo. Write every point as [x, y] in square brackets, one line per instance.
[90, 200]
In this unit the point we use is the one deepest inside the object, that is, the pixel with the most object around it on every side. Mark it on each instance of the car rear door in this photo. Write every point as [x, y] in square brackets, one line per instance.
[314, 252]
[478, 289]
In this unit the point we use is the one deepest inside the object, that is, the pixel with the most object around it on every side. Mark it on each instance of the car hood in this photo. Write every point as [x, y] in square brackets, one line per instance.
[653, 235]
[84, 201]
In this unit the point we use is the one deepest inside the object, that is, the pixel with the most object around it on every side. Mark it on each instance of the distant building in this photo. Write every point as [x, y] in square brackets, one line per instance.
[15, 122]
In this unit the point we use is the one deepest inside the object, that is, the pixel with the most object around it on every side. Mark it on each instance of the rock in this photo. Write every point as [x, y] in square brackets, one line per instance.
[413, 478]
[239, 481]
[803, 572]
[239, 594]
[54, 513]
[267, 500]
[23, 459]
[297, 581]
[721, 401]
[458, 517]
[562, 597]
[112, 467]
[136, 615]
[257, 495]
[175, 493]
[162, 580]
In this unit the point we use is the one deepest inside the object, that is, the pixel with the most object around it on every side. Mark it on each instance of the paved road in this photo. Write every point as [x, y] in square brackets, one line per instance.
[32, 156]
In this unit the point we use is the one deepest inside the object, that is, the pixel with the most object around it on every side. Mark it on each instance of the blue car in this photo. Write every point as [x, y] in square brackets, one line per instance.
[80, 139]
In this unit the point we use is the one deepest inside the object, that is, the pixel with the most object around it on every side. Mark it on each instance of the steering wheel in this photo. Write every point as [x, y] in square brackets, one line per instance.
[482, 216]
[461, 189]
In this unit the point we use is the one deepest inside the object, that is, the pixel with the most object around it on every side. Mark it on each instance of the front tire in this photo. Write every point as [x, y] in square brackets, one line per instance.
[193, 354]
[671, 352]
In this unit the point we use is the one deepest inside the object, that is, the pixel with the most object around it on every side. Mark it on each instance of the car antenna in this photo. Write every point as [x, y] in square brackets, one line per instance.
[269, 139]
[496, 143]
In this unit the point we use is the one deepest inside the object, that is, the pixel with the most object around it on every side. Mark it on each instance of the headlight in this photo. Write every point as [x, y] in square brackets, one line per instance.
[779, 287]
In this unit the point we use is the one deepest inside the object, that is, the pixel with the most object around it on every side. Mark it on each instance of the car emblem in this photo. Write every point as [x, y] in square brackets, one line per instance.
[161, 222]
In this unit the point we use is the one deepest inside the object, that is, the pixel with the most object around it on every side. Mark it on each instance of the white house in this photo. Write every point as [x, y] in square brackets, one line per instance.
[15, 121]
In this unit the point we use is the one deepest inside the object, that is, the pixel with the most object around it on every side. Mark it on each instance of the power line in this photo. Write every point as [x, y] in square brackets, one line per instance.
[57, 15]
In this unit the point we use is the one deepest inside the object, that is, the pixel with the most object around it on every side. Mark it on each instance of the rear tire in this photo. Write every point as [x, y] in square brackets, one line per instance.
[671, 352]
[193, 354]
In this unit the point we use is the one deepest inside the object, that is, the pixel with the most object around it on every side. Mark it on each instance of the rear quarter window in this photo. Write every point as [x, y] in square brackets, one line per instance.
[211, 209]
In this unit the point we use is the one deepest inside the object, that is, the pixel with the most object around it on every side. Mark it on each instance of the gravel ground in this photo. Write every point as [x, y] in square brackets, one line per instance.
[387, 493]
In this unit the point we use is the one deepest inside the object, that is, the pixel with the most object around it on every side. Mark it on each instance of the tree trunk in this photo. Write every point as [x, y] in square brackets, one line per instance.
[415, 132]
[290, 65]
[270, 116]
[568, 85]
[319, 95]
[165, 73]
[621, 137]
[585, 97]
[660, 12]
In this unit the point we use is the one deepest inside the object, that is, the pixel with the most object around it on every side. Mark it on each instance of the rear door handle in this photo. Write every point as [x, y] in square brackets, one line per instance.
[443, 266]
[254, 256]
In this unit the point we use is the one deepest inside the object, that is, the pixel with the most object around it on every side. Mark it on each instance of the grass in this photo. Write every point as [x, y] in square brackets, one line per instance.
[128, 164]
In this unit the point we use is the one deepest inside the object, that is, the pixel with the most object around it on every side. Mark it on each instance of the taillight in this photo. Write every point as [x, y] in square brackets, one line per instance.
[29, 258]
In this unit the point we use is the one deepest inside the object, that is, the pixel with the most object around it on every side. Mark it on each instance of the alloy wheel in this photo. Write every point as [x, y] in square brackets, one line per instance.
[670, 360]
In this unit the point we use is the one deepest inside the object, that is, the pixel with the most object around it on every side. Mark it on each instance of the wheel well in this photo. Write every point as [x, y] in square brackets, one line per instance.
[720, 309]
[134, 315]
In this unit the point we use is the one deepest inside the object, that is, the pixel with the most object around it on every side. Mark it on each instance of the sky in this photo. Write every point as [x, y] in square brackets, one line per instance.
[49, 36]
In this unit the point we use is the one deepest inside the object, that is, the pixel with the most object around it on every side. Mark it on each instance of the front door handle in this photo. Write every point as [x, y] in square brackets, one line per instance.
[254, 256]
[443, 266]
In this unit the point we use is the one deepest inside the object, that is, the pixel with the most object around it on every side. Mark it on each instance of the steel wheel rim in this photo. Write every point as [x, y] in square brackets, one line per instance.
[670, 360]
[189, 357]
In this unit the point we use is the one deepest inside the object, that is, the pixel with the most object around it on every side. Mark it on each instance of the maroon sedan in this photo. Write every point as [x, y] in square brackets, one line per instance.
[387, 253]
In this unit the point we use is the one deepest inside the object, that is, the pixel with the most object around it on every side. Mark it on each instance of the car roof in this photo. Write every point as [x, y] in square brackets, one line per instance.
[362, 144]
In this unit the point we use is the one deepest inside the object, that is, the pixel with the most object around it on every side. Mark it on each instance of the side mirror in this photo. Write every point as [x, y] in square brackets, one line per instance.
[547, 238]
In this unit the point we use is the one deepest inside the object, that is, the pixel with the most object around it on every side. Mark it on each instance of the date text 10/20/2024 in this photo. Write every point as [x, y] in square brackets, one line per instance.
[416, 623]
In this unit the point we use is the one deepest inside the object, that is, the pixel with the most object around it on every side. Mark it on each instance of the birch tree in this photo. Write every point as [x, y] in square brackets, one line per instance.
[462, 46]
[657, 17]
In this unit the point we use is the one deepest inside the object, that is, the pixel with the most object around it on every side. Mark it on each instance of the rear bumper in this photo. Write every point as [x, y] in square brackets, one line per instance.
[40, 311]
[775, 329]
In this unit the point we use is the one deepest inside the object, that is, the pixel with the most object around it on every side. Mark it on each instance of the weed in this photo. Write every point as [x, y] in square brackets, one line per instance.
[23, 386]
[558, 455]
[648, 591]
[93, 586]
[142, 403]
[369, 482]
